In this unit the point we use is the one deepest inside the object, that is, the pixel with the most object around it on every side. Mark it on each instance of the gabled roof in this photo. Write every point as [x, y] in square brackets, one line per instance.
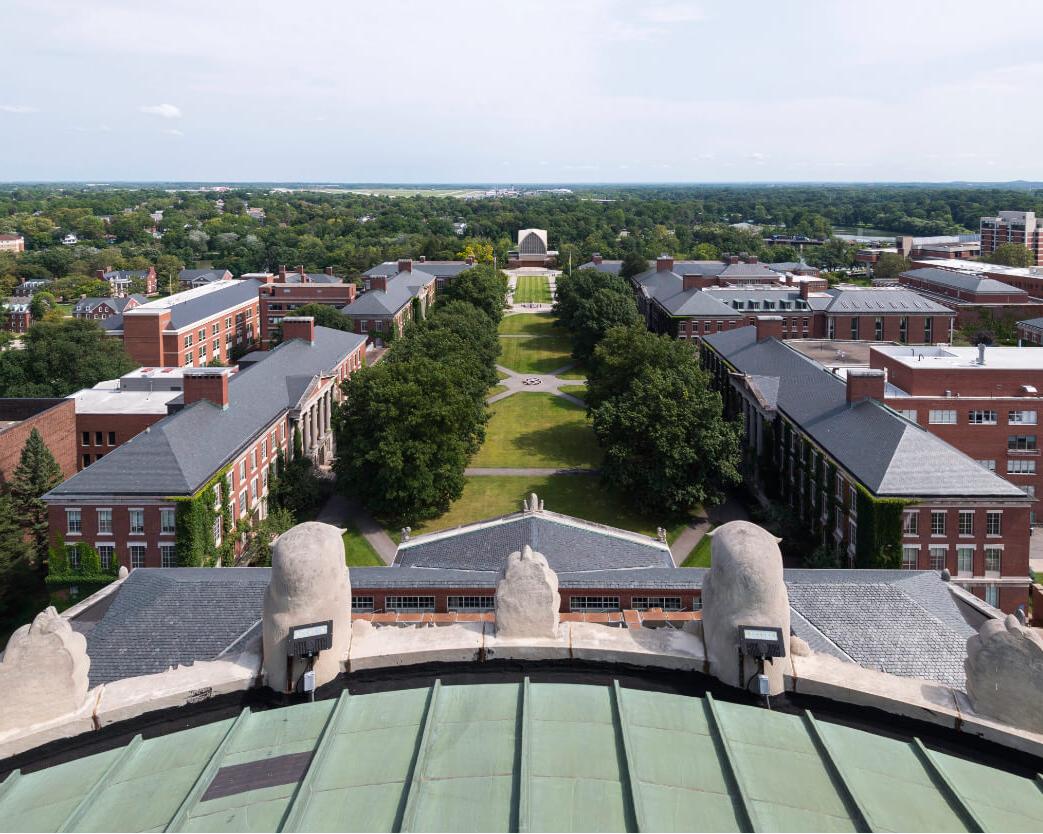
[961, 281]
[125, 274]
[199, 303]
[313, 278]
[611, 267]
[401, 290]
[180, 453]
[439, 269]
[889, 455]
[88, 305]
[570, 545]
[203, 275]
[882, 300]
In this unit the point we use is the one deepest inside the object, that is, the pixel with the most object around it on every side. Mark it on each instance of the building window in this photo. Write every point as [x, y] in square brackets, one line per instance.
[363, 326]
[253, 491]
[137, 555]
[665, 603]
[166, 520]
[831, 329]
[86, 440]
[938, 522]
[966, 522]
[992, 561]
[1021, 467]
[988, 464]
[86, 461]
[137, 521]
[409, 603]
[965, 561]
[1021, 442]
[104, 521]
[112, 438]
[854, 327]
[98, 437]
[992, 595]
[242, 470]
[106, 552]
[903, 329]
[594, 603]
[72, 553]
[911, 522]
[72, 518]
[910, 553]
[1021, 418]
[361, 604]
[909, 414]
[217, 531]
[264, 449]
[242, 503]
[938, 555]
[168, 556]
[839, 488]
[928, 330]
[994, 523]
[980, 417]
[471, 603]
[942, 416]
[878, 328]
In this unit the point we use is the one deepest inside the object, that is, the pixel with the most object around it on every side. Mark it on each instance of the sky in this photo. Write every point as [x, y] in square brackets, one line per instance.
[484, 91]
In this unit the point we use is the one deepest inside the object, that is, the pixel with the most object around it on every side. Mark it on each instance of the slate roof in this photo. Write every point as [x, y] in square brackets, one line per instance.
[961, 281]
[313, 278]
[611, 267]
[125, 274]
[887, 454]
[744, 270]
[1033, 323]
[438, 269]
[196, 304]
[165, 617]
[400, 291]
[570, 545]
[882, 301]
[182, 452]
[202, 275]
[901, 622]
[89, 305]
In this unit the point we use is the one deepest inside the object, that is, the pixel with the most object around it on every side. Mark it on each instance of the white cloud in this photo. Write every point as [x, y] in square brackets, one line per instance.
[674, 13]
[173, 131]
[165, 111]
[17, 108]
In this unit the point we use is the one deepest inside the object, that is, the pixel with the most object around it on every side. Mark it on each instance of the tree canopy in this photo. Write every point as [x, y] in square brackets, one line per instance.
[482, 286]
[36, 473]
[1010, 254]
[589, 303]
[891, 265]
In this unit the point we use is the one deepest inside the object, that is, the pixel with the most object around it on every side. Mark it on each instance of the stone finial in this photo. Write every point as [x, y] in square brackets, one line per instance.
[743, 587]
[44, 672]
[660, 533]
[527, 598]
[309, 584]
[946, 576]
[406, 533]
[532, 505]
[1004, 668]
[123, 572]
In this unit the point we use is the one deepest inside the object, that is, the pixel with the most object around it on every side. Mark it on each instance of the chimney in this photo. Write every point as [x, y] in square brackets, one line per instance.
[981, 353]
[596, 258]
[752, 259]
[299, 327]
[282, 274]
[267, 278]
[691, 282]
[304, 275]
[664, 263]
[805, 288]
[99, 274]
[864, 383]
[405, 265]
[378, 282]
[768, 327]
[328, 270]
[422, 258]
[206, 384]
[470, 260]
[733, 259]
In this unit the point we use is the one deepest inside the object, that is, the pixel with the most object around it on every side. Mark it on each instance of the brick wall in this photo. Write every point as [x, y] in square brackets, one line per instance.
[55, 419]
[124, 426]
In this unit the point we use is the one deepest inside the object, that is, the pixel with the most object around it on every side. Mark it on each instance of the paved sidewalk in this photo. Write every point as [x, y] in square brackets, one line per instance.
[339, 510]
[549, 384]
[730, 510]
[531, 471]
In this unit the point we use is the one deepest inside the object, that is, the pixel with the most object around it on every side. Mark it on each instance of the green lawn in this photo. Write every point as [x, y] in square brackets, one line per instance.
[358, 553]
[700, 555]
[576, 391]
[582, 496]
[535, 355]
[537, 430]
[532, 288]
[496, 389]
[530, 324]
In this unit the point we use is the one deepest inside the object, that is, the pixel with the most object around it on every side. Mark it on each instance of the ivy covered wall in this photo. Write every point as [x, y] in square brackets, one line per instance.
[195, 518]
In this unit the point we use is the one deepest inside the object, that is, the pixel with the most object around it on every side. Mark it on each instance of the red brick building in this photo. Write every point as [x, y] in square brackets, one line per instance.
[985, 401]
[443, 271]
[121, 281]
[54, 418]
[18, 317]
[1020, 227]
[833, 452]
[191, 328]
[285, 292]
[12, 243]
[388, 302]
[227, 434]
[99, 309]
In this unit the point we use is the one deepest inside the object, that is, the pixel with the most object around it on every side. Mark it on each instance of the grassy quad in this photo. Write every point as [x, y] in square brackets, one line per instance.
[530, 324]
[532, 289]
[538, 430]
[359, 553]
[535, 354]
[582, 496]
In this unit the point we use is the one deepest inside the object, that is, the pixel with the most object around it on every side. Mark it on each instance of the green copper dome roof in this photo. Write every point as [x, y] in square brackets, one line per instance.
[520, 757]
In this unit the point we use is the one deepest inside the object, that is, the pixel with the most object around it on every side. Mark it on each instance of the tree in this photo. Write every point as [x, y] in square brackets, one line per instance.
[259, 539]
[482, 286]
[15, 557]
[168, 267]
[37, 472]
[634, 263]
[661, 425]
[326, 316]
[890, 265]
[1011, 254]
[481, 251]
[41, 303]
[598, 313]
[60, 358]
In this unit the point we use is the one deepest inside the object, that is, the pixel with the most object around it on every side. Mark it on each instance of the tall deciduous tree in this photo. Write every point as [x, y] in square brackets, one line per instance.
[891, 265]
[36, 473]
[589, 303]
[660, 424]
[1011, 254]
[634, 263]
[482, 286]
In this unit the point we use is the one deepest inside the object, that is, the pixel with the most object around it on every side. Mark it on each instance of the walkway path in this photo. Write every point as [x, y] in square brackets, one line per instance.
[529, 472]
[730, 510]
[548, 384]
[339, 511]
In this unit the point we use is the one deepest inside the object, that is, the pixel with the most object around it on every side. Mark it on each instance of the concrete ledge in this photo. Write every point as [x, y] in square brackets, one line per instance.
[374, 647]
